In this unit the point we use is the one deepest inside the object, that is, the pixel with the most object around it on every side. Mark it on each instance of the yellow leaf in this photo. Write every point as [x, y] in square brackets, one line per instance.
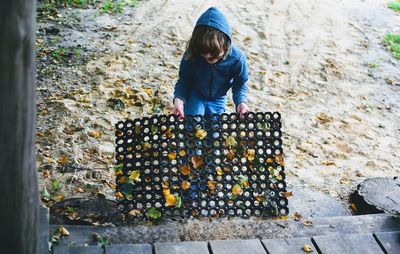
[118, 172]
[260, 198]
[250, 154]
[237, 190]
[135, 212]
[219, 171]
[185, 170]
[279, 159]
[166, 192]
[63, 160]
[230, 141]
[135, 174]
[119, 195]
[149, 91]
[307, 248]
[201, 134]
[185, 185]
[182, 153]
[172, 156]
[197, 161]
[94, 134]
[63, 231]
[58, 197]
[170, 200]
[211, 185]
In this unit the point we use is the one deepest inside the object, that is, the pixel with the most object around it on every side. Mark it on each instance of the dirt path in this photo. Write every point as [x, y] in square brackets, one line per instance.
[321, 64]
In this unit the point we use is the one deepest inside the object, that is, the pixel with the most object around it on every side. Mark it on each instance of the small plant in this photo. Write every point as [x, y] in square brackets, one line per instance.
[393, 42]
[112, 6]
[394, 5]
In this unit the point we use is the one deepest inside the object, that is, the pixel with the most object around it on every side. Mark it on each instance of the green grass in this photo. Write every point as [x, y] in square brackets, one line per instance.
[112, 6]
[394, 5]
[69, 54]
[393, 42]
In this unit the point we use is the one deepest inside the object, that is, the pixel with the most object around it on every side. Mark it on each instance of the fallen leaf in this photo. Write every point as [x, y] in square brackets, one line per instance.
[172, 156]
[79, 190]
[94, 134]
[58, 197]
[135, 175]
[166, 192]
[182, 153]
[153, 213]
[63, 231]
[170, 200]
[230, 155]
[46, 173]
[308, 223]
[135, 212]
[230, 141]
[201, 134]
[211, 185]
[279, 159]
[185, 170]
[323, 118]
[185, 185]
[119, 195]
[250, 154]
[287, 194]
[63, 160]
[237, 190]
[178, 202]
[307, 248]
[197, 161]
[297, 216]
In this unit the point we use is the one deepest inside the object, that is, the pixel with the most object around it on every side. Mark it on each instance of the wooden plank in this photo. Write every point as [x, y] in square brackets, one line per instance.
[389, 241]
[19, 199]
[347, 243]
[43, 230]
[77, 250]
[253, 246]
[343, 225]
[287, 245]
[129, 249]
[181, 248]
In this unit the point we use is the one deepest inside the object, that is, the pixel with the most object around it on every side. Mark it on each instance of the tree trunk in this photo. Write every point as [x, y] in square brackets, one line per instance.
[18, 187]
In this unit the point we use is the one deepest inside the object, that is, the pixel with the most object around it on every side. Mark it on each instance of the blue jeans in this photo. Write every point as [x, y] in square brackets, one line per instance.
[197, 105]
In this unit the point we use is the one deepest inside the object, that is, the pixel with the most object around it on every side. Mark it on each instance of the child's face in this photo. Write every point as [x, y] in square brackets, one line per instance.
[212, 59]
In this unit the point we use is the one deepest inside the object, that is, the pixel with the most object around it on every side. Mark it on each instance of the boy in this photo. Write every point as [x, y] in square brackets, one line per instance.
[211, 66]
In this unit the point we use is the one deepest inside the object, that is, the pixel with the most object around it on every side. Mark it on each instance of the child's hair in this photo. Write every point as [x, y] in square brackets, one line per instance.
[205, 40]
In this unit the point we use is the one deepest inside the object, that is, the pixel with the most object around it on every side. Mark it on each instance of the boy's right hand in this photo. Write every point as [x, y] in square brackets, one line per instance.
[178, 108]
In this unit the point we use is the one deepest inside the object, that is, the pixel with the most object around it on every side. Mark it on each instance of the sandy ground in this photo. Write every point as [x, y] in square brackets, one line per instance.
[321, 64]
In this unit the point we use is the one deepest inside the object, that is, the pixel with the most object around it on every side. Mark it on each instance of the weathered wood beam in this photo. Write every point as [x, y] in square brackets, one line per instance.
[18, 187]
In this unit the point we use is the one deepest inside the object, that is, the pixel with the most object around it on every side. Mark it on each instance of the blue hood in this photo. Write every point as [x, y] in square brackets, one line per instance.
[215, 19]
[212, 81]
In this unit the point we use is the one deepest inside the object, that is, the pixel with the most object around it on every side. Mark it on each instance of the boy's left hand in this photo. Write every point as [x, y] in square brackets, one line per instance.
[242, 109]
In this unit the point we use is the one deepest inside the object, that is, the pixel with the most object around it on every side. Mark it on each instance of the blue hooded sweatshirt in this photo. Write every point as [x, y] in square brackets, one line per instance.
[212, 81]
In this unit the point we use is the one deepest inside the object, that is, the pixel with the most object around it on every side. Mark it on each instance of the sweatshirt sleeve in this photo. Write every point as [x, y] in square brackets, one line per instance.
[184, 79]
[239, 86]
